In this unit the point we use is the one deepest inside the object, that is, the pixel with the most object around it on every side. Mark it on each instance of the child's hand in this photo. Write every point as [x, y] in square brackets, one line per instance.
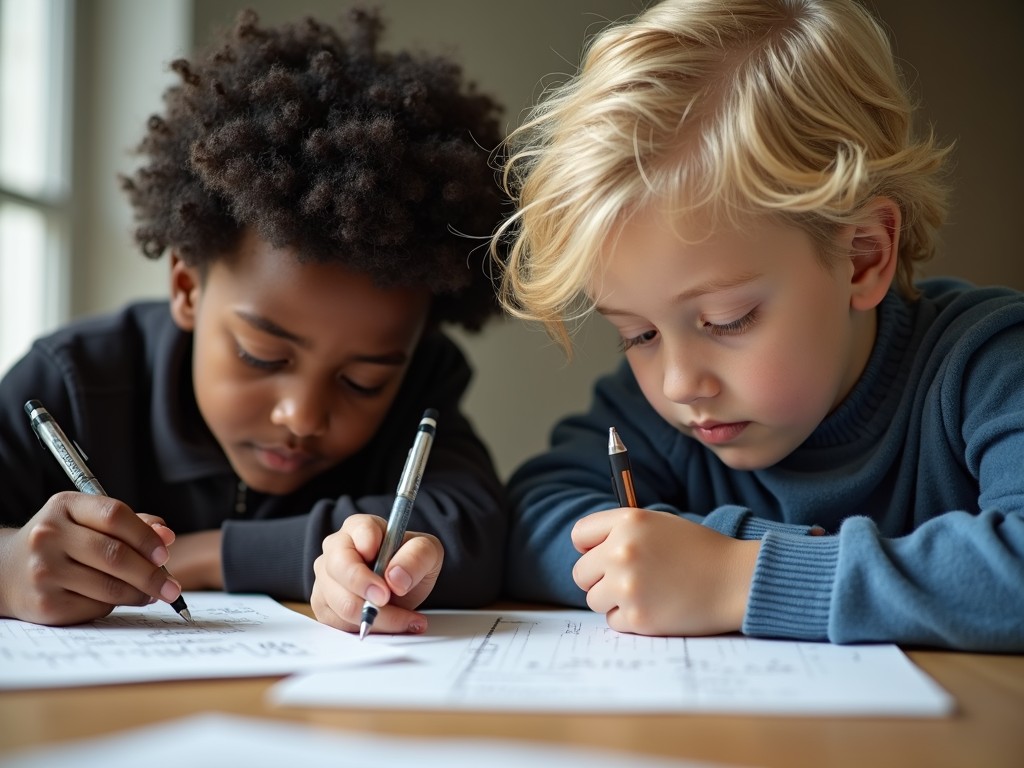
[653, 573]
[345, 577]
[80, 556]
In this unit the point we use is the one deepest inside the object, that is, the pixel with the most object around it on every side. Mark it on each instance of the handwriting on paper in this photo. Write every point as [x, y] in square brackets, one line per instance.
[572, 661]
[233, 635]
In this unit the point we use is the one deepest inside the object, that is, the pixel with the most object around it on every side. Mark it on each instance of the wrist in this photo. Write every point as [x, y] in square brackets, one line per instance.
[744, 561]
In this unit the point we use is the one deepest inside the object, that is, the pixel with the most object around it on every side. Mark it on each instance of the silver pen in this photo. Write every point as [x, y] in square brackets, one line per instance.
[71, 460]
[398, 520]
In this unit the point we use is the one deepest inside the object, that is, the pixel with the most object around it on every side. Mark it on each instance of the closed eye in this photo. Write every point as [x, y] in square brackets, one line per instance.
[734, 328]
[362, 391]
[259, 363]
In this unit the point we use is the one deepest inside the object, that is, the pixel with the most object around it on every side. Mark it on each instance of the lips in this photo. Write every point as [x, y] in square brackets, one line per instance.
[280, 459]
[713, 433]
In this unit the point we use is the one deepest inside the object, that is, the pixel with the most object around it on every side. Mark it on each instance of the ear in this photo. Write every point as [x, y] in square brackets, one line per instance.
[874, 252]
[186, 291]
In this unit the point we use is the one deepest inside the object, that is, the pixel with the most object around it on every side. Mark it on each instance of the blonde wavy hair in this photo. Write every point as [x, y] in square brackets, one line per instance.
[734, 109]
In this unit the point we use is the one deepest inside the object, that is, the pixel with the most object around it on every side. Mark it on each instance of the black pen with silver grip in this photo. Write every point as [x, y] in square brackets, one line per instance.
[398, 520]
[52, 436]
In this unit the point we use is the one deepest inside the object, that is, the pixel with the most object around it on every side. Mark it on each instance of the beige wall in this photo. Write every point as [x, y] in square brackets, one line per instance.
[522, 383]
[968, 64]
[966, 61]
[123, 48]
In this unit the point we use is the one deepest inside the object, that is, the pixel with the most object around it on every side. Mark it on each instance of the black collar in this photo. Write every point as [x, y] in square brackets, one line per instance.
[184, 446]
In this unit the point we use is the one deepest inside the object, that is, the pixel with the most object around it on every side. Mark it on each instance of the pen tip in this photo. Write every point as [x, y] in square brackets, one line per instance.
[614, 441]
[186, 615]
[363, 629]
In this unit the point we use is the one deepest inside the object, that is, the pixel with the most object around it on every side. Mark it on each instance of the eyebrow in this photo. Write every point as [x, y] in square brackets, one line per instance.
[269, 326]
[711, 286]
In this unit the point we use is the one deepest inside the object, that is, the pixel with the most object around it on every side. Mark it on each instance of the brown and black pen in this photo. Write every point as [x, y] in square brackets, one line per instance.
[622, 475]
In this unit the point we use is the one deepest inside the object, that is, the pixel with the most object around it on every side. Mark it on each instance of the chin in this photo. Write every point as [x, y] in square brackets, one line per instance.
[745, 461]
[275, 486]
[271, 483]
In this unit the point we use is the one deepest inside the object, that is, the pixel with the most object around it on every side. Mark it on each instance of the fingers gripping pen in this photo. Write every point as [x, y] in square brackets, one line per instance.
[71, 460]
[398, 520]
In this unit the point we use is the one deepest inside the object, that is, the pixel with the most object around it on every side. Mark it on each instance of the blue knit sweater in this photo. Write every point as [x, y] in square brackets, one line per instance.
[917, 477]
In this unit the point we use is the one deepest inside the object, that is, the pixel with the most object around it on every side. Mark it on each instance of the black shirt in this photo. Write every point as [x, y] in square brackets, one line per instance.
[121, 386]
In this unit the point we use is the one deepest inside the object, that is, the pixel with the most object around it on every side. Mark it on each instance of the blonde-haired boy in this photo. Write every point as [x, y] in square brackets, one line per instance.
[737, 187]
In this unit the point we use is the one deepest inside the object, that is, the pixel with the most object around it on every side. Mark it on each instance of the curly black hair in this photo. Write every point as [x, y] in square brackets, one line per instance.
[327, 145]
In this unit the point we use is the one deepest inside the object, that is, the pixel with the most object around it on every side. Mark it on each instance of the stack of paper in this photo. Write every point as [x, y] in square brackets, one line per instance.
[233, 636]
[536, 661]
[570, 661]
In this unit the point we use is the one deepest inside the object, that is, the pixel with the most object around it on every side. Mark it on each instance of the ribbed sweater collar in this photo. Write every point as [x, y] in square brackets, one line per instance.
[867, 412]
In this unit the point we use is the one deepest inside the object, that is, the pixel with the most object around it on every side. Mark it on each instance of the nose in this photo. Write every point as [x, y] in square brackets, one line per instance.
[303, 408]
[688, 375]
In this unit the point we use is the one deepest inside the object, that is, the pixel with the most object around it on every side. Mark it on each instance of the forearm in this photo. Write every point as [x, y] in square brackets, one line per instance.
[466, 513]
[196, 560]
[469, 517]
[8, 580]
[540, 554]
[274, 557]
[954, 582]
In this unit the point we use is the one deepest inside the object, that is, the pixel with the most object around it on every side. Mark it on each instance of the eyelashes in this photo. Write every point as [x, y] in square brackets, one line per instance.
[361, 390]
[258, 363]
[271, 366]
[637, 341]
[734, 328]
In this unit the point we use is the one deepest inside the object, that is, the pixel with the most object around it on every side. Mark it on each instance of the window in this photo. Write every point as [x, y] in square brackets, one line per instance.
[35, 60]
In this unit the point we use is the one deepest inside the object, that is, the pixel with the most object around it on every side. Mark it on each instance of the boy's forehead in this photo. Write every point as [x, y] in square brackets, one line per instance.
[703, 257]
[250, 243]
[702, 229]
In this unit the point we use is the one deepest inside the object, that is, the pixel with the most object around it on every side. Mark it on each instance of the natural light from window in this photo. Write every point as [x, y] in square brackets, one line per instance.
[34, 55]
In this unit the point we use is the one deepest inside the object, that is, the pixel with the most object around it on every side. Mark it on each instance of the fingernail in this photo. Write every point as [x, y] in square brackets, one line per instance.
[170, 591]
[400, 579]
[375, 595]
[159, 555]
[417, 627]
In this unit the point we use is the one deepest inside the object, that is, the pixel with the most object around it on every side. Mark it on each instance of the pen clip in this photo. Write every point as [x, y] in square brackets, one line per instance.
[85, 456]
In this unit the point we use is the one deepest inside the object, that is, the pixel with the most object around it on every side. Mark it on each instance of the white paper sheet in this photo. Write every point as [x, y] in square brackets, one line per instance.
[570, 661]
[233, 636]
[213, 741]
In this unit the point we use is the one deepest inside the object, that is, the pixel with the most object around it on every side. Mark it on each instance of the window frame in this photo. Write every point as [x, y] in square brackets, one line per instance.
[52, 201]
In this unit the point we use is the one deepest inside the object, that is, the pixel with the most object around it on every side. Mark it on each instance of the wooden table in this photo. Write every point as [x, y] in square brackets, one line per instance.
[986, 732]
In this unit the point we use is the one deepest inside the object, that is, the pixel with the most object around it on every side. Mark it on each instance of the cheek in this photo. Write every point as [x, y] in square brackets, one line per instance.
[650, 377]
[222, 392]
[357, 422]
[354, 422]
[790, 394]
[796, 376]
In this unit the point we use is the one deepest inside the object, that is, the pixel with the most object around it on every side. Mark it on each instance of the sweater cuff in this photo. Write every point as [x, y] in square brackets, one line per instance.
[727, 519]
[791, 592]
[739, 523]
[756, 527]
[265, 556]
